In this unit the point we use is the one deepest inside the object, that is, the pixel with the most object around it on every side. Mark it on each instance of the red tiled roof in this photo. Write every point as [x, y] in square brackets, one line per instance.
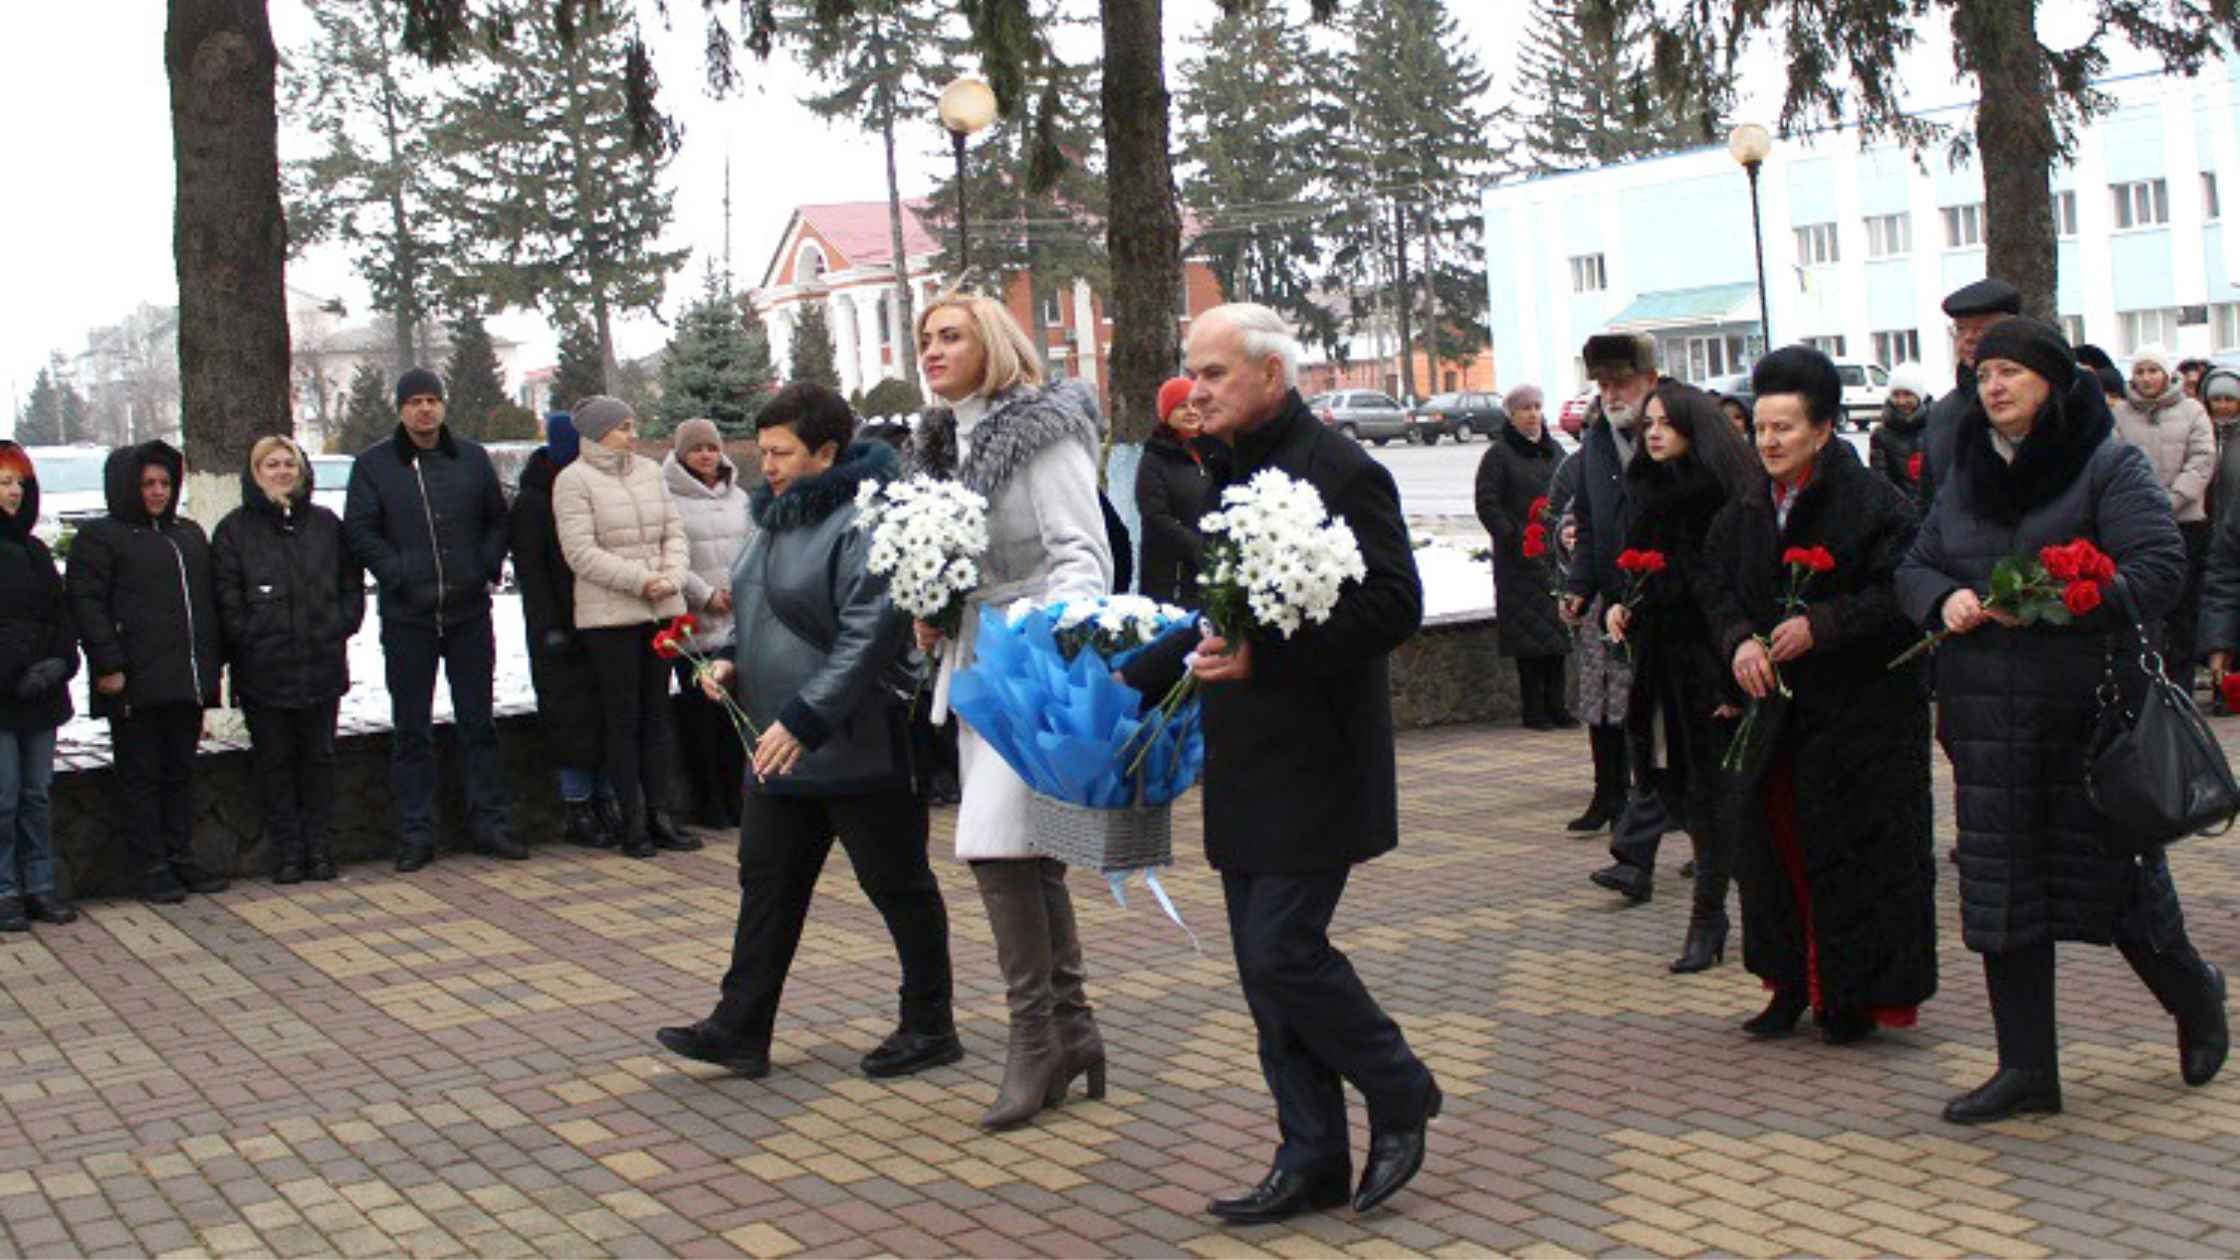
[860, 232]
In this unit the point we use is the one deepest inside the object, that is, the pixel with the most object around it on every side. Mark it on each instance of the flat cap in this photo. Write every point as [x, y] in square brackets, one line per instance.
[1984, 297]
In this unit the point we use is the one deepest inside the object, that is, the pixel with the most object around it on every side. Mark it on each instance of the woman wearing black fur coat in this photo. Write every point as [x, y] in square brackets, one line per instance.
[1690, 466]
[1833, 834]
[2032, 464]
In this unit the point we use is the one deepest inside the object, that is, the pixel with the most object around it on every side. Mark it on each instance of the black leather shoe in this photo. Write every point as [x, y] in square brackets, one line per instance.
[639, 848]
[698, 1043]
[321, 868]
[667, 835]
[1779, 1018]
[289, 873]
[49, 908]
[162, 888]
[502, 846]
[611, 823]
[2199, 1057]
[1635, 884]
[412, 857]
[197, 880]
[12, 918]
[2009, 1092]
[1843, 1028]
[1283, 1194]
[905, 1052]
[584, 828]
[1394, 1159]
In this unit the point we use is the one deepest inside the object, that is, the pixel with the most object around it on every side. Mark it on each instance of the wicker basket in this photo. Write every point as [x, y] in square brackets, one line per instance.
[1127, 839]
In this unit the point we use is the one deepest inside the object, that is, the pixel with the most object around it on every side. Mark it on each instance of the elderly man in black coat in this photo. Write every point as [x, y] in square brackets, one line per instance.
[1300, 784]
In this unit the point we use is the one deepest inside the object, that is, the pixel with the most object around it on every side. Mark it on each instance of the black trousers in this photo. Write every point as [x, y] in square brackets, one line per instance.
[2181, 628]
[1318, 1026]
[1657, 793]
[1540, 688]
[294, 751]
[153, 752]
[933, 750]
[468, 655]
[634, 697]
[711, 748]
[2020, 985]
[783, 842]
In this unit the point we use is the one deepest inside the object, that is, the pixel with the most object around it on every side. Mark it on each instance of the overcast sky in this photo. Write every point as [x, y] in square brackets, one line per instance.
[88, 229]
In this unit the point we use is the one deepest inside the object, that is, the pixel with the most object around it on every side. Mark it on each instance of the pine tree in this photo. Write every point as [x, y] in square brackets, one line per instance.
[369, 417]
[890, 397]
[40, 421]
[1579, 100]
[716, 366]
[557, 205]
[1250, 105]
[813, 358]
[475, 386]
[580, 375]
[77, 415]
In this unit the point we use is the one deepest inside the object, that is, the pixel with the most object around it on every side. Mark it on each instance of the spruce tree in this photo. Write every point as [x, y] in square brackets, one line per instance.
[475, 386]
[716, 366]
[580, 375]
[1580, 101]
[77, 415]
[369, 417]
[813, 358]
[40, 421]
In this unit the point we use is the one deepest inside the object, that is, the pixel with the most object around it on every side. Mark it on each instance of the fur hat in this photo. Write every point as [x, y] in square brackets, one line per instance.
[1612, 355]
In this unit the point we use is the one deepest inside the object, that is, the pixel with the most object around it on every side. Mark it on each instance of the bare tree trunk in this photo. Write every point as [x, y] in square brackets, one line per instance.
[1400, 301]
[407, 278]
[1430, 312]
[1143, 237]
[230, 240]
[905, 306]
[2015, 141]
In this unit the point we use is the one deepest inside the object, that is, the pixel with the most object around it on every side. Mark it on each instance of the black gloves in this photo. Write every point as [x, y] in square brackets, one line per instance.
[41, 676]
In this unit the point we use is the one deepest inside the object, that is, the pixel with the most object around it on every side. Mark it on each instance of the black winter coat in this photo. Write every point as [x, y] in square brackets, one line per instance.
[1856, 734]
[1669, 508]
[1300, 773]
[290, 595]
[430, 526]
[1894, 443]
[559, 668]
[1172, 484]
[1599, 504]
[2015, 707]
[144, 594]
[35, 621]
[1513, 472]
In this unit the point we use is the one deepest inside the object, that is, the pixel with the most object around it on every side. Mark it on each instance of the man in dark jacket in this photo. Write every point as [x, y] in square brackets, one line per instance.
[1973, 308]
[426, 517]
[141, 588]
[1301, 784]
[823, 642]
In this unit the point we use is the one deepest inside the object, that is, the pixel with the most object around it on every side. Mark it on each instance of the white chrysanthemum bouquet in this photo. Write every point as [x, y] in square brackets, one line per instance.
[1108, 625]
[1275, 560]
[927, 536]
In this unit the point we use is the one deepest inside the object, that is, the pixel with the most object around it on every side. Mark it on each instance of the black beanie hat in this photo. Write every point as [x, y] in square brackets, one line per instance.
[2032, 343]
[416, 382]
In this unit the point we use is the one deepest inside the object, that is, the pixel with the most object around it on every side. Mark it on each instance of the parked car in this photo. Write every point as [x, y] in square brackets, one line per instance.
[1362, 413]
[1457, 415]
[1735, 385]
[1573, 417]
[1866, 386]
[70, 487]
[330, 481]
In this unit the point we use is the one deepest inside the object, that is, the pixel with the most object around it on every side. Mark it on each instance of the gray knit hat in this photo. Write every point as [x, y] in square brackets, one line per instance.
[698, 431]
[599, 415]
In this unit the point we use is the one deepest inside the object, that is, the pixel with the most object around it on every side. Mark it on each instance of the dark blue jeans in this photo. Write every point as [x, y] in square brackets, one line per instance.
[26, 826]
[468, 655]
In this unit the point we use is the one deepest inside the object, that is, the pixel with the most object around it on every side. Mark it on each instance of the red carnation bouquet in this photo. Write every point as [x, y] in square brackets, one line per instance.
[1804, 564]
[1913, 467]
[1536, 531]
[1639, 567]
[2062, 584]
[680, 640]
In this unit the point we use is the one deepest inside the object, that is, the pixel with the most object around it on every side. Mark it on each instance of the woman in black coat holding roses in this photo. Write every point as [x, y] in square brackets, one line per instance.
[2031, 463]
[1689, 467]
[1514, 476]
[1833, 824]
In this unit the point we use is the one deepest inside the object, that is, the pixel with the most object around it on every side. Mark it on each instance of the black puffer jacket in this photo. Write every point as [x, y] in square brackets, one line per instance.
[430, 526]
[1669, 508]
[1893, 446]
[1856, 734]
[290, 595]
[1513, 472]
[35, 622]
[2015, 707]
[144, 595]
[1171, 487]
[559, 669]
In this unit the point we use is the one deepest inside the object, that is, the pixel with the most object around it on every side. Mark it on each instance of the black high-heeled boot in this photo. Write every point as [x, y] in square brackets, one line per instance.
[1780, 1017]
[1706, 945]
[1609, 747]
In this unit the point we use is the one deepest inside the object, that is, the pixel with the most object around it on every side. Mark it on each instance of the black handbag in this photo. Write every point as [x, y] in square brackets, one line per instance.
[2155, 770]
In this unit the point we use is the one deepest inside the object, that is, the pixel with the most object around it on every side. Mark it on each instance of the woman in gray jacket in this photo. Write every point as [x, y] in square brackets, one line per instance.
[704, 485]
[831, 759]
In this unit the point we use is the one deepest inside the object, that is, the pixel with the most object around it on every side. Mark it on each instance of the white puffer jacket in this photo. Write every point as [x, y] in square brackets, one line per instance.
[717, 528]
[618, 529]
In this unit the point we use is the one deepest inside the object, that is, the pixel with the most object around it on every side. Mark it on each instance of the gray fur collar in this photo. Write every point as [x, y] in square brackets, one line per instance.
[1020, 424]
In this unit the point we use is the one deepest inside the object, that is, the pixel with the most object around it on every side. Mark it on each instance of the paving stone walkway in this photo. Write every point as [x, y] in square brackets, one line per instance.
[460, 1062]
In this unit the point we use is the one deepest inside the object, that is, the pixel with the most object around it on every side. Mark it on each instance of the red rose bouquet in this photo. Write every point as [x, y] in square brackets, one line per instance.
[2062, 584]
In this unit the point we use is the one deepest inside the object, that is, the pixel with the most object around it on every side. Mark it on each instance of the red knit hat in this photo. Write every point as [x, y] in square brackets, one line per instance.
[1173, 394]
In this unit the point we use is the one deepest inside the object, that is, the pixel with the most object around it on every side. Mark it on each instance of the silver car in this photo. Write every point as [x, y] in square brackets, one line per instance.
[1363, 413]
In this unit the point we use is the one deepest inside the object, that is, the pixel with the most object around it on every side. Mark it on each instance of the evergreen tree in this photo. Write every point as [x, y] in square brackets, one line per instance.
[40, 421]
[373, 112]
[813, 358]
[716, 366]
[1250, 105]
[580, 375]
[369, 417]
[890, 397]
[557, 195]
[475, 386]
[77, 417]
[1580, 100]
[638, 382]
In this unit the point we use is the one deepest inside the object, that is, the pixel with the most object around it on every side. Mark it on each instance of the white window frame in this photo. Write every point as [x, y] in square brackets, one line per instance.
[1589, 274]
[2224, 326]
[1893, 346]
[2065, 214]
[2150, 327]
[1833, 345]
[1889, 235]
[2072, 328]
[2212, 206]
[1818, 245]
[1963, 225]
[2141, 203]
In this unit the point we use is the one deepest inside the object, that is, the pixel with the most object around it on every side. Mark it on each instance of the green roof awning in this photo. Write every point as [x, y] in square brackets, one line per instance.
[1689, 308]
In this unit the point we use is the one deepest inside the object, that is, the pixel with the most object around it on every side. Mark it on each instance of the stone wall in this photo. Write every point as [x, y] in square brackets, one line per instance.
[1452, 671]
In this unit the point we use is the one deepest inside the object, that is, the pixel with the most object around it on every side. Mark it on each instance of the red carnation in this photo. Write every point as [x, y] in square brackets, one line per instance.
[1913, 466]
[1649, 561]
[1535, 541]
[1823, 560]
[685, 625]
[2081, 597]
[1800, 556]
[1538, 509]
[665, 643]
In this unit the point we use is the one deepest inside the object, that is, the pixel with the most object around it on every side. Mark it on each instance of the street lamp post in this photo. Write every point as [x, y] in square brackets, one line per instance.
[1749, 144]
[966, 106]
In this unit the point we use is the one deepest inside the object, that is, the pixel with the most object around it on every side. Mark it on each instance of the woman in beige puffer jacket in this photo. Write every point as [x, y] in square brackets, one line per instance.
[625, 543]
[704, 485]
[2180, 441]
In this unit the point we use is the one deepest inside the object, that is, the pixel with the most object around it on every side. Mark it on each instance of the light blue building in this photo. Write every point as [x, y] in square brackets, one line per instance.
[1862, 245]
